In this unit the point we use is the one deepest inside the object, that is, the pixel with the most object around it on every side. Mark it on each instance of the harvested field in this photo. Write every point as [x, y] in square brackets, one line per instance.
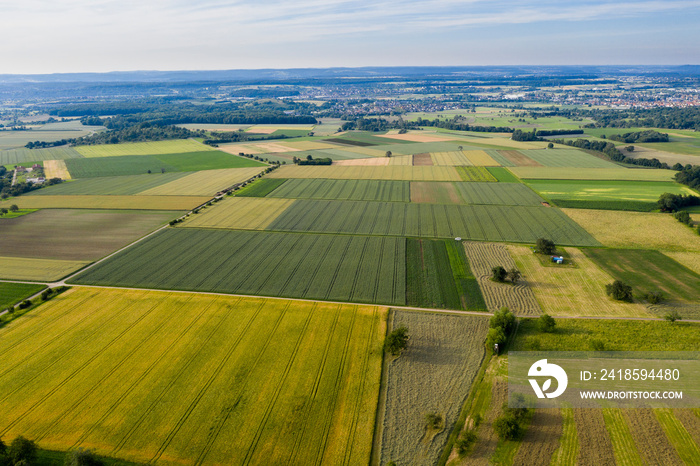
[636, 229]
[480, 158]
[176, 146]
[567, 158]
[450, 159]
[356, 190]
[688, 259]
[474, 174]
[12, 293]
[626, 453]
[243, 213]
[418, 136]
[518, 298]
[479, 222]
[269, 129]
[504, 142]
[648, 271]
[369, 173]
[56, 169]
[487, 439]
[327, 267]
[109, 185]
[107, 202]
[370, 162]
[272, 147]
[422, 160]
[44, 270]
[359, 150]
[307, 145]
[595, 446]
[433, 375]
[649, 437]
[230, 380]
[572, 291]
[680, 438]
[236, 149]
[76, 235]
[517, 159]
[23, 155]
[204, 183]
[406, 148]
[541, 438]
[611, 174]
[401, 160]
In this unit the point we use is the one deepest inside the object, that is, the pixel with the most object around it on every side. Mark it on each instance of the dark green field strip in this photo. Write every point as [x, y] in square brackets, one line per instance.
[490, 223]
[12, 293]
[261, 187]
[648, 271]
[141, 164]
[635, 206]
[437, 276]
[502, 174]
[111, 185]
[355, 190]
[325, 267]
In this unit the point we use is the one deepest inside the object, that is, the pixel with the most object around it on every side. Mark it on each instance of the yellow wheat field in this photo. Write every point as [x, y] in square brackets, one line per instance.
[480, 158]
[204, 183]
[48, 270]
[569, 291]
[56, 169]
[241, 213]
[450, 159]
[636, 229]
[107, 202]
[177, 146]
[409, 173]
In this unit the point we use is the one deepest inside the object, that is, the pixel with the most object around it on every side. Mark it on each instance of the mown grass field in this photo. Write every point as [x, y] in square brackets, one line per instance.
[433, 375]
[229, 380]
[12, 293]
[572, 291]
[23, 155]
[108, 202]
[26, 268]
[408, 173]
[566, 158]
[648, 271]
[326, 267]
[141, 164]
[481, 222]
[636, 229]
[356, 190]
[602, 174]
[175, 146]
[76, 235]
[438, 276]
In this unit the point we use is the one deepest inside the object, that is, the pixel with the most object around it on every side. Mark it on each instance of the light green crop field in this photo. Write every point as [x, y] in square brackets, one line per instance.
[408, 173]
[23, 155]
[18, 139]
[175, 146]
[107, 202]
[356, 190]
[111, 185]
[474, 193]
[612, 174]
[647, 191]
[567, 158]
[327, 267]
[112, 370]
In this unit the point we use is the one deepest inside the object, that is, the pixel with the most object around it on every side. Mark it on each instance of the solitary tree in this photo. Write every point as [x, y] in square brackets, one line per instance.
[550, 146]
[14, 208]
[388, 153]
[514, 275]
[498, 273]
[22, 449]
[545, 246]
[396, 341]
[619, 290]
[546, 323]
[3, 211]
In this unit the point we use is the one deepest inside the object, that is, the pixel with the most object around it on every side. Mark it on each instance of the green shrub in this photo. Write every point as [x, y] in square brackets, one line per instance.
[546, 323]
[619, 290]
[498, 274]
[396, 341]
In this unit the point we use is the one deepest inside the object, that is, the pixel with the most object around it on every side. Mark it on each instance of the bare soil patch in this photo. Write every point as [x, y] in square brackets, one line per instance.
[519, 159]
[422, 159]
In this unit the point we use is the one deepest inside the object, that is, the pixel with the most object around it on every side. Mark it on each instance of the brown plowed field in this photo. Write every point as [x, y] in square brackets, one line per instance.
[518, 298]
[422, 159]
[541, 439]
[519, 159]
[650, 437]
[593, 438]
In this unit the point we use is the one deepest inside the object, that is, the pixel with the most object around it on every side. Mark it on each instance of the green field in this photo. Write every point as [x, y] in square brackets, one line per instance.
[141, 164]
[611, 174]
[566, 158]
[76, 235]
[479, 222]
[261, 187]
[18, 139]
[327, 267]
[395, 172]
[475, 193]
[475, 174]
[12, 293]
[23, 155]
[433, 375]
[355, 190]
[44, 270]
[503, 175]
[110, 185]
[438, 276]
[110, 202]
[229, 380]
[175, 146]
[647, 271]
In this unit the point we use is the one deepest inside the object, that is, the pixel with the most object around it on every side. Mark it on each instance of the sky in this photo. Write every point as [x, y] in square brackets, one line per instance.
[50, 36]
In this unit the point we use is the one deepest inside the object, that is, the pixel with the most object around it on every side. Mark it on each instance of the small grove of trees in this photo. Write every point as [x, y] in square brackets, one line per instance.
[619, 290]
[546, 323]
[500, 274]
[396, 341]
[468, 438]
[669, 202]
[673, 316]
[82, 457]
[545, 246]
[501, 326]
[20, 452]
[388, 153]
[509, 425]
